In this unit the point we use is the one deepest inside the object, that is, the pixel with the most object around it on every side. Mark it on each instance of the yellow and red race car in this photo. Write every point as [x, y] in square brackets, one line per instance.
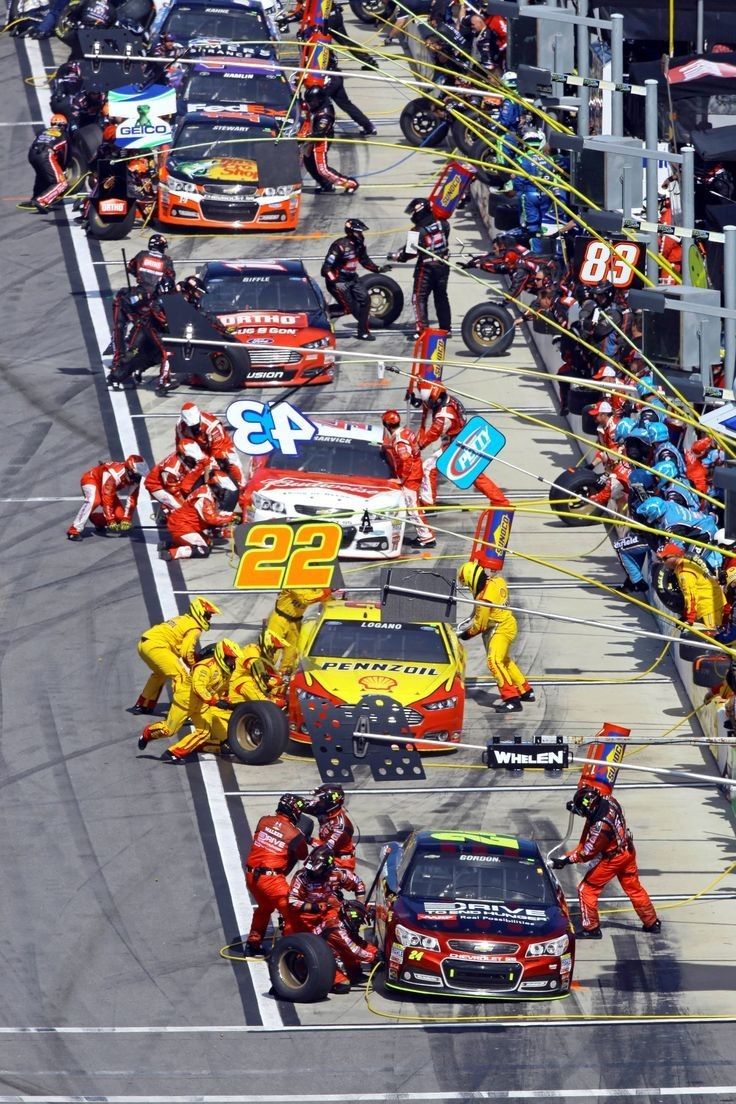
[355, 665]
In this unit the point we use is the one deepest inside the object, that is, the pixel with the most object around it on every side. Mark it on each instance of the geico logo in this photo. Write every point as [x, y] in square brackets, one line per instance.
[137, 130]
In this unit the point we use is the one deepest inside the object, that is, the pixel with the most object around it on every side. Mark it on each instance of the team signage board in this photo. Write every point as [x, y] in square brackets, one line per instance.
[535, 756]
[595, 262]
[470, 453]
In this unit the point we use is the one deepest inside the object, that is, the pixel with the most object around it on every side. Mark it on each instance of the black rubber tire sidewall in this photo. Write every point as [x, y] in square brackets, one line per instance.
[379, 280]
[416, 107]
[499, 314]
[234, 382]
[274, 732]
[581, 481]
[320, 968]
[109, 231]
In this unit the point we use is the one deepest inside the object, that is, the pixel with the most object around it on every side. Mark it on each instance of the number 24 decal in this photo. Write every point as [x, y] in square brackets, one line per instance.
[279, 556]
[600, 263]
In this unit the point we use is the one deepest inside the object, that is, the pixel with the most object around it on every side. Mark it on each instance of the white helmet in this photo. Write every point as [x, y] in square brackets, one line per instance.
[190, 414]
[537, 139]
[510, 79]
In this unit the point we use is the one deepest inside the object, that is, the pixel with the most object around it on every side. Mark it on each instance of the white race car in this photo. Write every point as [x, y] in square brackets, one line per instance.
[341, 475]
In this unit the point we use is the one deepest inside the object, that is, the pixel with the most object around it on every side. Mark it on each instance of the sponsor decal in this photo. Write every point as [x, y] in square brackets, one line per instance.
[483, 909]
[258, 318]
[539, 756]
[397, 953]
[234, 168]
[112, 206]
[471, 452]
[377, 682]
[480, 858]
[365, 666]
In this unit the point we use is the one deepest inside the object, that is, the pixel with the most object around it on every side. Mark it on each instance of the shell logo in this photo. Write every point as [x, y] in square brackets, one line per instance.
[377, 682]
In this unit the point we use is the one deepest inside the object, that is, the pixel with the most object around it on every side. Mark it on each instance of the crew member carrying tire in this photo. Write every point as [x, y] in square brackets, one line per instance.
[48, 156]
[431, 272]
[316, 896]
[322, 129]
[278, 844]
[195, 701]
[102, 506]
[443, 416]
[280, 636]
[607, 843]
[498, 627]
[403, 452]
[336, 829]
[340, 273]
[170, 650]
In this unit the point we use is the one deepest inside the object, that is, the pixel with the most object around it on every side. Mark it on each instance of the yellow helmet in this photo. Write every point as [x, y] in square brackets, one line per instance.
[227, 654]
[202, 610]
[472, 576]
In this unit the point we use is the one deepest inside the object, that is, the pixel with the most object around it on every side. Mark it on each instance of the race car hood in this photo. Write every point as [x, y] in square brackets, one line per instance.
[351, 495]
[480, 918]
[232, 170]
[351, 680]
[261, 323]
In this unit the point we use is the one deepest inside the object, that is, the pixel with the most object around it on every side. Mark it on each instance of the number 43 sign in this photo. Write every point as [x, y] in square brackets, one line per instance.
[260, 428]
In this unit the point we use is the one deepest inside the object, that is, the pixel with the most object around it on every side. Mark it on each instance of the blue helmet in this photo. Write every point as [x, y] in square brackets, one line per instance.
[646, 386]
[651, 510]
[623, 429]
[658, 432]
[641, 478]
[666, 469]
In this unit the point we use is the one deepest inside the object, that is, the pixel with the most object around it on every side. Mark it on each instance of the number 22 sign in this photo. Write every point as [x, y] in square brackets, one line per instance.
[279, 555]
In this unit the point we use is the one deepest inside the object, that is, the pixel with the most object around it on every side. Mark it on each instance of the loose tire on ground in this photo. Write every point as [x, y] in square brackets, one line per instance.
[488, 329]
[577, 481]
[257, 732]
[228, 373]
[370, 11]
[387, 298]
[302, 968]
[110, 231]
[487, 164]
[420, 125]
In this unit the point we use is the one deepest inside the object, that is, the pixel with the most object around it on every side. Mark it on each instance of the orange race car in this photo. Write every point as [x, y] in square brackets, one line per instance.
[224, 173]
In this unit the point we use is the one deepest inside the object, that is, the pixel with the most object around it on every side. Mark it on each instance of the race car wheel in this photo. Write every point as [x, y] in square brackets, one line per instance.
[387, 298]
[486, 163]
[228, 373]
[464, 136]
[575, 481]
[257, 732]
[668, 590]
[370, 11]
[302, 968]
[110, 231]
[420, 125]
[66, 28]
[488, 329]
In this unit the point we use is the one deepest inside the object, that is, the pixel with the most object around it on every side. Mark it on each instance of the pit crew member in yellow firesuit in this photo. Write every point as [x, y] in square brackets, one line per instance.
[169, 649]
[498, 627]
[208, 688]
[280, 636]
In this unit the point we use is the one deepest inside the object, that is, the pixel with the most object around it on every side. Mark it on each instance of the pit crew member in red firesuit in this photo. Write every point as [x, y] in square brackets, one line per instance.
[431, 271]
[607, 843]
[336, 829]
[316, 895]
[321, 130]
[173, 478]
[102, 505]
[188, 525]
[47, 157]
[443, 416]
[340, 273]
[402, 448]
[210, 434]
[278, 844]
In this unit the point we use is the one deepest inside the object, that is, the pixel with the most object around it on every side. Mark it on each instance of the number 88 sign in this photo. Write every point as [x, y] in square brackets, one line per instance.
[595, 262]
[279, 555]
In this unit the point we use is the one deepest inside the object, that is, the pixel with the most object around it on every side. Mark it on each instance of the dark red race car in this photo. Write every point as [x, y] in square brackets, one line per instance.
[473, 914]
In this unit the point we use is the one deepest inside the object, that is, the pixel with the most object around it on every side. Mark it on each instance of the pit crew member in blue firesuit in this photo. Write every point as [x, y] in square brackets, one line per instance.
[608, 845]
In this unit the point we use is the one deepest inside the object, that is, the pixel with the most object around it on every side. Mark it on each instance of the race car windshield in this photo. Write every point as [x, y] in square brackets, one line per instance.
[188, 22]
[372, 640]
[460, 876]
[268, 292]
[272, 93]
[335, 457]
[200, 142]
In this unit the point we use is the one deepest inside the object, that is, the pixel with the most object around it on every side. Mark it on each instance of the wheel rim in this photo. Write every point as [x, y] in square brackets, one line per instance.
[381, 302]
[374, 7]
[222, 369]
[423, 123]
[577, 506]
[293, 969]
[488, 330]
[248, 733]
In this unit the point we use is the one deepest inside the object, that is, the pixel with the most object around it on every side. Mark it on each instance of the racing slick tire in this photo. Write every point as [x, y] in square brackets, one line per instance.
[486, 163]
[579, 481]
[387, 299]
[302, 968]
[228, 373]
[464, 136]
[420, 125]
[488, 329]
[668, 589]
[370, 11]
[257, 732]
[109, 231]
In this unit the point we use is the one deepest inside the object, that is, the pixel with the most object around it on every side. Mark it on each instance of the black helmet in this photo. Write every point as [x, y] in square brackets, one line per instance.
[165, 286]
[353, 916]
[326, 799]
[157, 243]
[291, 806]
[193, 289]
[605, 290]
[354, 229]
[418, 208]
[585, 802]
[314, 97]
[320, 862]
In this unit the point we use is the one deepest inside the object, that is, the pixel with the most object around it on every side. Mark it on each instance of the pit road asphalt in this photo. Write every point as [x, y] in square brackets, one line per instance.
[115, 893]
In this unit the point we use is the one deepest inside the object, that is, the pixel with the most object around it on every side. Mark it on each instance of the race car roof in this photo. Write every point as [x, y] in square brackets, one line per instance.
[350, 431]
[430, 839]
[273, 266]
[244, 67]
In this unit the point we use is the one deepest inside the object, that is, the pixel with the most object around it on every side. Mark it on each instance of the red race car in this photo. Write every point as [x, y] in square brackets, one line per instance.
[473, 914]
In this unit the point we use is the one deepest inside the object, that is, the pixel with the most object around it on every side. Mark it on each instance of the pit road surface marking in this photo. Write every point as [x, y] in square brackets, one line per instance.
[225, 834]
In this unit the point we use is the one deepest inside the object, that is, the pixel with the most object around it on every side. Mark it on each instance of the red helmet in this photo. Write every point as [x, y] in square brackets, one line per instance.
[391, 419]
